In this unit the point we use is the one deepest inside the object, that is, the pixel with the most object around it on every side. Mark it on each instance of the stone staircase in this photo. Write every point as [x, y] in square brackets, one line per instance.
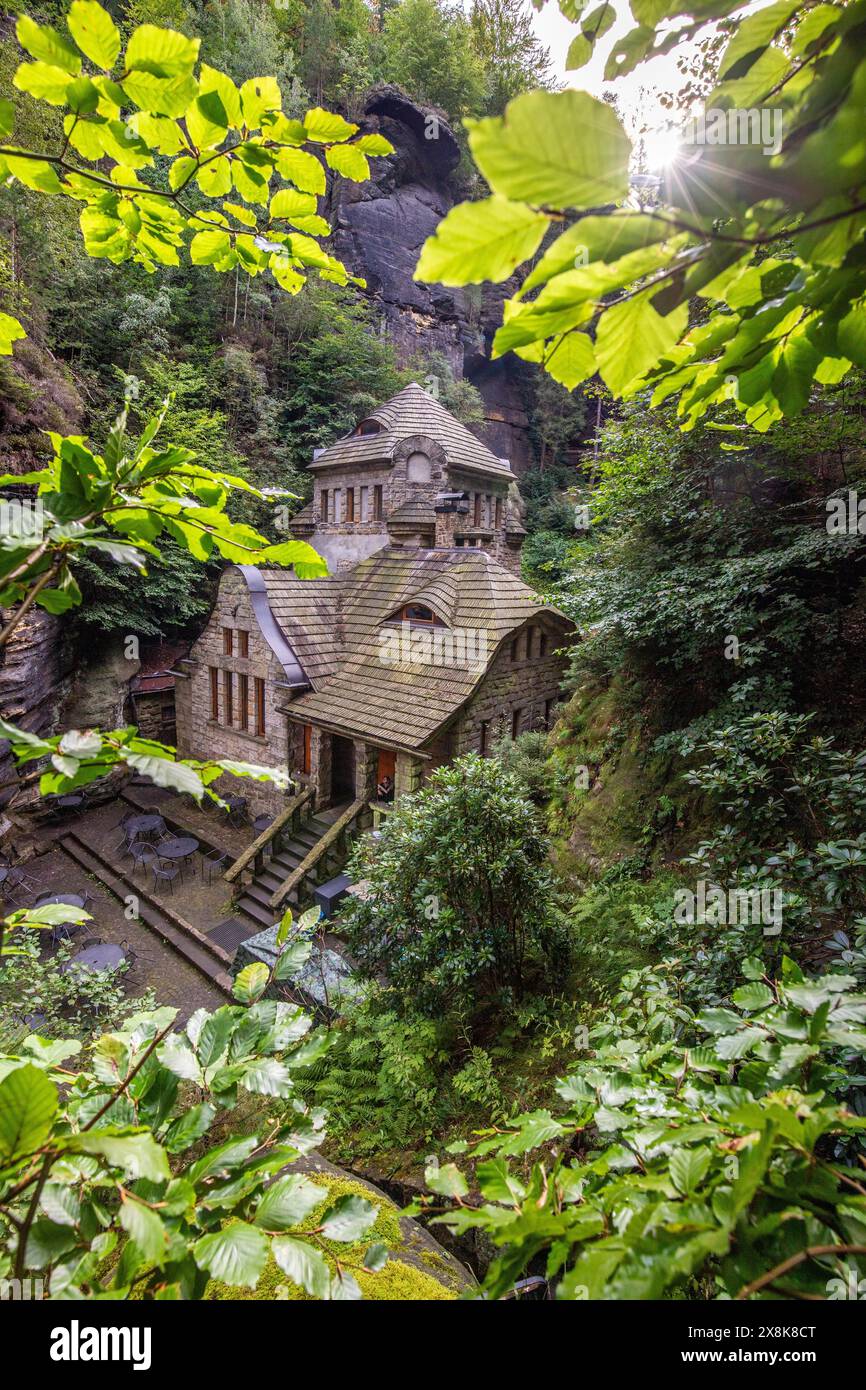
[253, 903]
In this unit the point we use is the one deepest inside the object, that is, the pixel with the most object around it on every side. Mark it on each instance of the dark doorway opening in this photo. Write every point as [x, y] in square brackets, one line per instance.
[342, 769]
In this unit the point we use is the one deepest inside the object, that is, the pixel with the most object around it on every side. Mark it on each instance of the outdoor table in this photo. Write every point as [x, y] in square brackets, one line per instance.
[144, 825]
[261, 823]
[181, 847]
[62, 929]
[103, 956]
[67, 899]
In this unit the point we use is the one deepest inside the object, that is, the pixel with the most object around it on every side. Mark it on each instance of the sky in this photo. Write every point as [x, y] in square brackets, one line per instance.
[638, 91]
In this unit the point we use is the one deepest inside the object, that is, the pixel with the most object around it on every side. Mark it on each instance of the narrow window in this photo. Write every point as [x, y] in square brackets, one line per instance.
[243, 700]
[488, 510]
[227, 697]
[484, 741]
[307, 755]
[260, 706]
[513, 649]
[498, 512]
[350, 504]
[228, 641]
[365, 504]
[377, 502]
[516, 721]
[542, 642]
[243, 643]
[338, 505]
[323, 505]
[548, 710]
[214, 693]
[476, 511]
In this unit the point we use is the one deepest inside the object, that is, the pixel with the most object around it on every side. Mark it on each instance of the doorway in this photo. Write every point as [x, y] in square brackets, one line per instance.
[342, 769]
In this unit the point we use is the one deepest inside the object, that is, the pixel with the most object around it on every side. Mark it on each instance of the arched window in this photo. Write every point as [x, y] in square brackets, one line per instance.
[368, 427]
[418, 468]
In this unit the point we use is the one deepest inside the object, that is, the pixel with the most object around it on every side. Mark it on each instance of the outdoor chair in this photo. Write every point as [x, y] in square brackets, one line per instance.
[164, 875]
[126, 837]
[142, 854]
[16, 878]
[214, 861]
[64, 931]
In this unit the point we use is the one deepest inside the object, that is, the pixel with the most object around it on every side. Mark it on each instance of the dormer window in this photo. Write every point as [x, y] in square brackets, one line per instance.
[368, 427]
[419, 613]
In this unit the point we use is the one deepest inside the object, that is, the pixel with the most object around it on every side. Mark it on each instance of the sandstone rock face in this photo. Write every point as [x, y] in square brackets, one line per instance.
[100, 690]
[380, 227]
[35, 675]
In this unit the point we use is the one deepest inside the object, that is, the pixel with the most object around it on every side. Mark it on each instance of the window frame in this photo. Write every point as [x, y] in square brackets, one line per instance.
[243, 700]
[259, 698]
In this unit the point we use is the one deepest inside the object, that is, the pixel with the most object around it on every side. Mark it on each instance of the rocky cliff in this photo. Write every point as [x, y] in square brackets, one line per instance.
[380, 227]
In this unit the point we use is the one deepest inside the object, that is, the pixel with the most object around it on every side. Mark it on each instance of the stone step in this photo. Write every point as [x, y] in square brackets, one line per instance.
[270, 881]
[207, 957]
[254, 912]
[287, 860]
[258, 892]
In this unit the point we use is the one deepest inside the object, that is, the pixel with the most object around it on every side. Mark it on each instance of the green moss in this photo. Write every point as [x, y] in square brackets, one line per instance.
[397, 1281]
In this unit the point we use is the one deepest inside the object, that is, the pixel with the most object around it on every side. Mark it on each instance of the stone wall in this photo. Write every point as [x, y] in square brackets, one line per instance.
[525, 684]
[199, 736]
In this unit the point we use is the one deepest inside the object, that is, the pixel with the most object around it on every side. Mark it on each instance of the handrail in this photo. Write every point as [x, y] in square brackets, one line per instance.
[331, 835]
[253, 850]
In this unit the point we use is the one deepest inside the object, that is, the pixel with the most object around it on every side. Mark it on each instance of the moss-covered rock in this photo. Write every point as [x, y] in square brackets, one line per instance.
[413, 1273]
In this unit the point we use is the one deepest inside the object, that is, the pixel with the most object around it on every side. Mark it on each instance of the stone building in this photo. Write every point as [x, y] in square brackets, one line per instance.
[421, 644]
[151, 704]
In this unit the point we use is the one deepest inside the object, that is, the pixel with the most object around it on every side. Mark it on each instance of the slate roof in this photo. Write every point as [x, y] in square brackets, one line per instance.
[413, 411]
[415, 512]
[154, 674]
[334, 627]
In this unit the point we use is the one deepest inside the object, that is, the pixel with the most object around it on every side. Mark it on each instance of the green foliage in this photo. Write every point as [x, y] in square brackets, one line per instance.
[779, 169]
[138, 493]
[513, 58]
[428, 49]
[79, 1005]
[460, 897]
[523, 759]
[214, 151]
[106, 1183]
[690, 1154]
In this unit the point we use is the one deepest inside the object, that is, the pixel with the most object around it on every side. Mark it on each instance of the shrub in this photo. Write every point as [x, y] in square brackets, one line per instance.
[460, 901]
